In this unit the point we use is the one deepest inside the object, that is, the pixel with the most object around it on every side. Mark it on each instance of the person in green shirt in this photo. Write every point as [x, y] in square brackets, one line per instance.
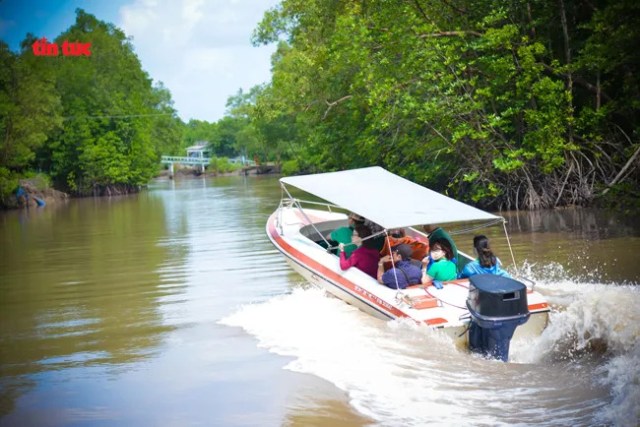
[435, 233]
[343, 234]
[442, 268]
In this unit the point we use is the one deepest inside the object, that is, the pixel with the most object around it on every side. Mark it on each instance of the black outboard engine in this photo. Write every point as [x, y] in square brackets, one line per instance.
[498, 305]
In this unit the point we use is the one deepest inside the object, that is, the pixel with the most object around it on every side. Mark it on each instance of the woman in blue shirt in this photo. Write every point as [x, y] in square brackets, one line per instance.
[486, 263]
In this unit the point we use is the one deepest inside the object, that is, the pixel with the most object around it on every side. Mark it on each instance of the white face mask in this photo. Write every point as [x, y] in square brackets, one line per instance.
[437, 254]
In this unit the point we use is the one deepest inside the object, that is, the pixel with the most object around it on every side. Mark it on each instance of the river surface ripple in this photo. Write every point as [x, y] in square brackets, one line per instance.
[171, 307]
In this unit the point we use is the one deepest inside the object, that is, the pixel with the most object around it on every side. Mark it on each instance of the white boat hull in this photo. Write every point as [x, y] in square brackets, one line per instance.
[294, 233]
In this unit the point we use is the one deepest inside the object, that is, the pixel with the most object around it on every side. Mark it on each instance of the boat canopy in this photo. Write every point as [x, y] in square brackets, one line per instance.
[385, 198]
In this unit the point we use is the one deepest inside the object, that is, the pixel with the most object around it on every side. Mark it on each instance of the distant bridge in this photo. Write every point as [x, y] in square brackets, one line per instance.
[185, 160]
[198, 161]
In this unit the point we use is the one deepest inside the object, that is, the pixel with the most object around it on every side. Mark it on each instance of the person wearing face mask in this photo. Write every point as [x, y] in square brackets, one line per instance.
[486, 263]
[442, 268]
[436, 233]
[366, 256]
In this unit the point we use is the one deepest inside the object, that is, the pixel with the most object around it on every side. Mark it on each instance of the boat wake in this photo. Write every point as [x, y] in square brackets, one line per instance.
[597, 322]
[582, 370]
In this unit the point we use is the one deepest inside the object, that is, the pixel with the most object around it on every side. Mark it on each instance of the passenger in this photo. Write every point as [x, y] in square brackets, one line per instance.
[397, 233]
[366, 256]
[404, 273]
[486, 263]
[441, 268]
[343, 234]
[376, 230]
[397, 236]
[434, 232]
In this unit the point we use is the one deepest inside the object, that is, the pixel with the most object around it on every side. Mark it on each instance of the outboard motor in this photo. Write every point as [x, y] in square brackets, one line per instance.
[498, 305]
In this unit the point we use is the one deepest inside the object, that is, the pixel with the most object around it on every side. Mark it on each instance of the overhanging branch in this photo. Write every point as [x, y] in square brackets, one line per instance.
[330, 105]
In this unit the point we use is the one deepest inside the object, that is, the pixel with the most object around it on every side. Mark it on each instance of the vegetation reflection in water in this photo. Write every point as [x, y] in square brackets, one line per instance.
[81, 287]
[107, 300]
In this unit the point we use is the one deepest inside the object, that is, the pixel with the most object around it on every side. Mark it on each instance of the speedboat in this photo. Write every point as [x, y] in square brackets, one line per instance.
[477, 313]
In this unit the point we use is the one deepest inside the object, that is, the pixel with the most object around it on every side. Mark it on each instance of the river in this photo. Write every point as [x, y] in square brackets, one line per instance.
[172, 308]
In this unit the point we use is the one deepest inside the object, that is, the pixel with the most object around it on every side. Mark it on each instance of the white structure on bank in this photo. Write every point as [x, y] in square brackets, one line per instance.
[197, 155]
[200, 155]
[199, 150]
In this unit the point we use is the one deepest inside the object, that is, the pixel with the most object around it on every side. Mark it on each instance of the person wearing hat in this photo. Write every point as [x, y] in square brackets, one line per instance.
[343, 234]
[403, 273]
[434, 233]
[442, 268]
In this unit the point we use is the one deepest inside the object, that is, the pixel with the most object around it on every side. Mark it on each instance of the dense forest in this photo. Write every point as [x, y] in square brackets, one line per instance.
[91, 124]
[522, 104]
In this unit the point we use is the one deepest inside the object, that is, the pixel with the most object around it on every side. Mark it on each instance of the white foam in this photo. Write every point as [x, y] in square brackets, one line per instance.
[594, 317]
[400, 373]
[365, 357]
[622, 376]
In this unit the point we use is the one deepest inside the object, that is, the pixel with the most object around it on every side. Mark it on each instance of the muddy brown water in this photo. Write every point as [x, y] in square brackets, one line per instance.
[171, 307]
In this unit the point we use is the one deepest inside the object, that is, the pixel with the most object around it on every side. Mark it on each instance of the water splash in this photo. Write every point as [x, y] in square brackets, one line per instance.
[582, 368]
[595, 321]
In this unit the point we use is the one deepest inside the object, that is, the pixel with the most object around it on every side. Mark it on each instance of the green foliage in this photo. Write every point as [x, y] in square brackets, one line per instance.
[624, 198]
[166, 128]
[228, 140]
[8, 184]
[502, 104]
[90, 122]
[118, 123]
[30, 110]
[225, 137]
[40, 181]
[196, 131]
[221, 165]
[290, 167]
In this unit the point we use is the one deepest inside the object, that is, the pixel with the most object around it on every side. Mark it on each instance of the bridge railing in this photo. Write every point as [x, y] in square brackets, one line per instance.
[199, 160]
[185, 160]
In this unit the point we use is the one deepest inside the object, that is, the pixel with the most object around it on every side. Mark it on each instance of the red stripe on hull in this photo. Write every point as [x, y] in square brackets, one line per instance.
[336, 278]
[539, 306]
[359, 292]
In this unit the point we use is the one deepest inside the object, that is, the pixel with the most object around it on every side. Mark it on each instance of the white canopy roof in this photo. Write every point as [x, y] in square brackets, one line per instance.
[385, 198]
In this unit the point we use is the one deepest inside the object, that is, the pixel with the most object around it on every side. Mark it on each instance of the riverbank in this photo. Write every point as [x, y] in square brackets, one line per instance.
[32, 194]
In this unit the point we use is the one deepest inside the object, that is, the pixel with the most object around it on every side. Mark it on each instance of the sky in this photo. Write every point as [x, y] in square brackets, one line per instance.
[199, 49]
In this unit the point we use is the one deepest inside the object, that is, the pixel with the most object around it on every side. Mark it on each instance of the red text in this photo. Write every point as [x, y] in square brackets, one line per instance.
[42, 47]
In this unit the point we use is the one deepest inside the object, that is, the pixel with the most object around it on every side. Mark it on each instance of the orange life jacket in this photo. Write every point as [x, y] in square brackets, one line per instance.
[420, 247]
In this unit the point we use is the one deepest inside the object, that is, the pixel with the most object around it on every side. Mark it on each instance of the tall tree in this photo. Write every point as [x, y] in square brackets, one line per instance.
[30, 110]
[505, 105]
[167, 128]
[110, 109]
